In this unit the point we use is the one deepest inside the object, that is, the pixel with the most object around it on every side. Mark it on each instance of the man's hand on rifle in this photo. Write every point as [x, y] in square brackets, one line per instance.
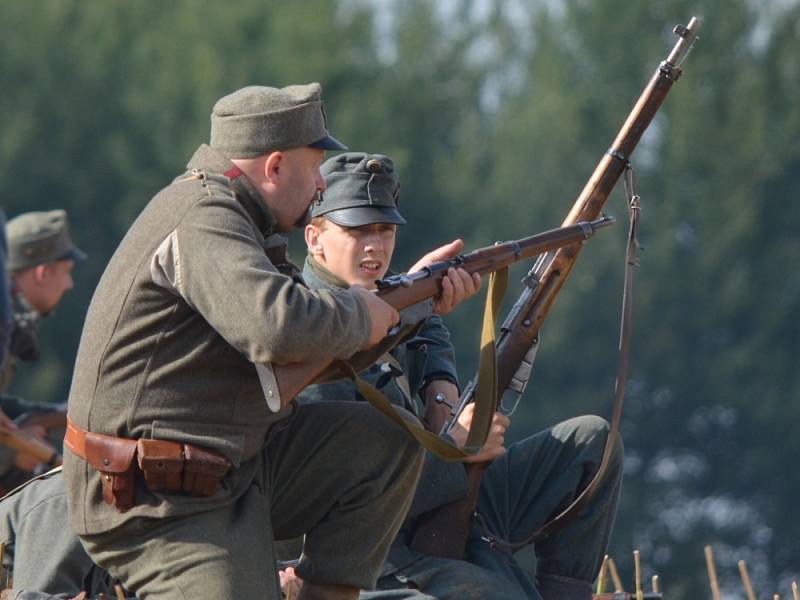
[457, 286]
[495, 442]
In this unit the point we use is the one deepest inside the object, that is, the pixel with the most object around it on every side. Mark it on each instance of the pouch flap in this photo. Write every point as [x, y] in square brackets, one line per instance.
[109, 454]
[199, 460]
[161, 455]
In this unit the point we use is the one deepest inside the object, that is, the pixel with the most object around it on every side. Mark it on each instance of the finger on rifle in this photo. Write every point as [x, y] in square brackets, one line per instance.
[444, 301]
[502, 420]
[442, 253]
[457, 276]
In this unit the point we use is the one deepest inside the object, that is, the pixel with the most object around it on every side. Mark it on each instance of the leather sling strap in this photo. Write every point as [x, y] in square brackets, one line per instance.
[631, 262]
[485, 399]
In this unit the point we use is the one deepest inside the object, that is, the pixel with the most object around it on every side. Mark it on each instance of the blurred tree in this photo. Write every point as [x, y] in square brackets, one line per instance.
[496, 113]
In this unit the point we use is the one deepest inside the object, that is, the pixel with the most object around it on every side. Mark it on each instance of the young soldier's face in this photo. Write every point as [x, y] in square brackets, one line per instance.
[358, 255]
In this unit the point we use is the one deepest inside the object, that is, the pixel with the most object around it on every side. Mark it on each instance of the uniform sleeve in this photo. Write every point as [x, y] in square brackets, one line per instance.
[214, 261]
[440, 362]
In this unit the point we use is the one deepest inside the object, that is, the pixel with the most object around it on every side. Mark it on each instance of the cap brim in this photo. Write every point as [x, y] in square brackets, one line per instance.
[365, 215]
[73, 253]
[328, 143]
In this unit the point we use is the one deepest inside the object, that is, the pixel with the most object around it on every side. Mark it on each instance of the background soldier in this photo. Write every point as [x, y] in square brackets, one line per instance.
[42, 557]
[350, 242]
[194, 309]
[41, 256]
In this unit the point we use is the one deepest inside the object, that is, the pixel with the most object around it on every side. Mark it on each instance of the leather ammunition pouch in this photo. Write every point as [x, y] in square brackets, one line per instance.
[166, 466]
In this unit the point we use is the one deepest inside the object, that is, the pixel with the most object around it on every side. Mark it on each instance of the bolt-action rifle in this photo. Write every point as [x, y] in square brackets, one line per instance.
[444, 531]
[403, 291]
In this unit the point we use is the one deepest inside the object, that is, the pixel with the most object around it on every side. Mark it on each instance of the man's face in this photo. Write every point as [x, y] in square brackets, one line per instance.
[55, 279]
[359, 255]
[300, 182]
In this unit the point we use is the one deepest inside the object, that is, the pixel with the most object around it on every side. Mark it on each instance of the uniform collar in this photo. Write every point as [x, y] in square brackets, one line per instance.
[317, 276]
[21, 307]
[213, 162]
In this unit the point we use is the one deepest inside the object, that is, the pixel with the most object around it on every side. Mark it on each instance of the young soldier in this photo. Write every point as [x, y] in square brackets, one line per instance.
[41, 256]
[350, 242]
[175, 377]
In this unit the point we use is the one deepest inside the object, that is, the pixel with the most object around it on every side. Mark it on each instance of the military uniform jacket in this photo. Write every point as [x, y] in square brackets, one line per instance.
[24, 341]
[401, 376]
[194, 306]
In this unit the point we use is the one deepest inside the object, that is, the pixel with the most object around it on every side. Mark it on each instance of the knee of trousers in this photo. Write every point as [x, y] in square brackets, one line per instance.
[592, 431]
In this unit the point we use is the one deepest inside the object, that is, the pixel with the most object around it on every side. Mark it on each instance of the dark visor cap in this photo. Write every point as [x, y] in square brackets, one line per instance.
[365, 215]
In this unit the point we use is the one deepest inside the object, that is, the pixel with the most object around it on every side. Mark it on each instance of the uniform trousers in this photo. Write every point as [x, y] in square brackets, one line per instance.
[338, 473]
[536, 479]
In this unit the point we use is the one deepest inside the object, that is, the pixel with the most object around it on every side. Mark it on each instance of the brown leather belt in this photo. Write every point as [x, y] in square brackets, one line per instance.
[167, 466]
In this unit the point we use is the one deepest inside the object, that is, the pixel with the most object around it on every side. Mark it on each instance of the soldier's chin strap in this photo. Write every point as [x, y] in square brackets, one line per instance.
[485, 395]
[613, 439]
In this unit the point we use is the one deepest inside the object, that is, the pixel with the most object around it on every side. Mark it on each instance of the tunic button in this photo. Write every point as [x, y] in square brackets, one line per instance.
[270, 393]
[106, 462]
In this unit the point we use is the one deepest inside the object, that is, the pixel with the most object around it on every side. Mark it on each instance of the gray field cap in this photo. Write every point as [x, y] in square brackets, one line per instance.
[258, 120]
[362, 189]
[36, 238]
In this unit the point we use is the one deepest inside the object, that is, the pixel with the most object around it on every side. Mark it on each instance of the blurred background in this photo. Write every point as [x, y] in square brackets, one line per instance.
[496, 113]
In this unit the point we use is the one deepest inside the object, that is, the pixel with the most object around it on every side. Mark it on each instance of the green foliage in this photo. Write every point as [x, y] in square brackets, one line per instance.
[496, 114]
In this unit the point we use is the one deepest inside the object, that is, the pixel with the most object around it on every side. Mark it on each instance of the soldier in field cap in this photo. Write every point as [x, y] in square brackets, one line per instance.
[182, 461]
[41, 256]
[350, 240]
[40, 259]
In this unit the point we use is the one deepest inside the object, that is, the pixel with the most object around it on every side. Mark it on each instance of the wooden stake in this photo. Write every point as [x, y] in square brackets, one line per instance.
[795, 593]
[637, 571]
[748, 587]
[601, 577]
[2, 551]
[612, 570]
[656, 587]
[712, 573]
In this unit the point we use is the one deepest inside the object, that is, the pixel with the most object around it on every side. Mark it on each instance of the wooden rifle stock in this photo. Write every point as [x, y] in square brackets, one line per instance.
[444, 530]
[27, 443]
[402, 291]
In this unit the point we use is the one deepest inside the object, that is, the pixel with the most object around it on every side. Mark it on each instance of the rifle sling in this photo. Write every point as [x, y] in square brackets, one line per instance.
[485, 397]
[613, 439]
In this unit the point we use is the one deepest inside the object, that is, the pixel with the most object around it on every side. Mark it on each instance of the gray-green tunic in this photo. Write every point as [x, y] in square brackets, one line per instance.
[194, 306]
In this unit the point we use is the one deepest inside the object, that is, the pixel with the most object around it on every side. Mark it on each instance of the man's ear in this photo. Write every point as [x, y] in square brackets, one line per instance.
[311, 234]
[272, 166]
[41, 272]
